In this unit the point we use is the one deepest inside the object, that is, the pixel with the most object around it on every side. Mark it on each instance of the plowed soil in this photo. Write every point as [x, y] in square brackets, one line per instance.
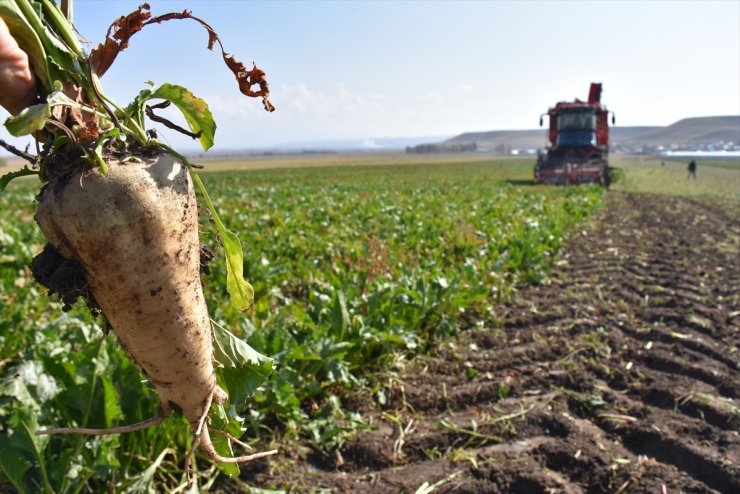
[620, 375]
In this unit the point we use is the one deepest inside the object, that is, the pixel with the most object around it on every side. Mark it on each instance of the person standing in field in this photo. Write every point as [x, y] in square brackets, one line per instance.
[692, 169]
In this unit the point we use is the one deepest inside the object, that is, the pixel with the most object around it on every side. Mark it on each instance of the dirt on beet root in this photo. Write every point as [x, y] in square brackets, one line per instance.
[619, 376]
[64, 277]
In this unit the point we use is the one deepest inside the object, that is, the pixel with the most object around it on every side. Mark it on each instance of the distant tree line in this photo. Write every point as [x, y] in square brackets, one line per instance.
[442, 148]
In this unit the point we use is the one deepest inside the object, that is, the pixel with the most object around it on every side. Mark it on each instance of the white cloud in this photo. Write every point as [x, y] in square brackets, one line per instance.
[239, 105]
[336, 102]
[300, 100]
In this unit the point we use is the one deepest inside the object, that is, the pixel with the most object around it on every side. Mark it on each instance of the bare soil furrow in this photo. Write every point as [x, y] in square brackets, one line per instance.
[695, 342]
[725, 383]
[702, 464]
[696, 404]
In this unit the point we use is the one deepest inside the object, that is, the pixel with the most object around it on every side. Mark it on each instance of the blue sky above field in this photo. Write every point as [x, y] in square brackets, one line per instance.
[366, 69]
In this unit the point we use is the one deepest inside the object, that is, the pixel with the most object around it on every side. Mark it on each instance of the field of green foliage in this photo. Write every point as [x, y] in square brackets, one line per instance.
[356, 269]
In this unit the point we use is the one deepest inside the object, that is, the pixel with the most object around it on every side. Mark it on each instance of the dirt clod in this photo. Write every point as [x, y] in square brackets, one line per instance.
[64, 277]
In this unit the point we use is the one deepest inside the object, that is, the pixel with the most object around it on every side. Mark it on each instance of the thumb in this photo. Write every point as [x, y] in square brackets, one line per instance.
[17, 81]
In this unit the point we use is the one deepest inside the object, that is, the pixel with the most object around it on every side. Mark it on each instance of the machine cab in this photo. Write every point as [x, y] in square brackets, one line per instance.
[576, 128]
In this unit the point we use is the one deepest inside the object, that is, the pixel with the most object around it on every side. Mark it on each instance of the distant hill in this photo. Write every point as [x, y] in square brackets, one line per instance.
[693, 131]
[513, 139]
[698, 132]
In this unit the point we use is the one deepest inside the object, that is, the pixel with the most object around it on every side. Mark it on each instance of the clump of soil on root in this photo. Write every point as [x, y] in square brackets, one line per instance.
[63, 277]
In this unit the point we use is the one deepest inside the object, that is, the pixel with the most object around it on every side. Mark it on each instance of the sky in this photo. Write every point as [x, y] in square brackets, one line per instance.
[373, 69]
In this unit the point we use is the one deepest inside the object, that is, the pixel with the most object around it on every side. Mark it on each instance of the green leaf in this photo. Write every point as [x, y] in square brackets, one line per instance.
[33, 118]
[135, 109]
[30, 120]
[17, 389]
[220, 421]
[230, 351]
[241, 293]
[97, 155]
[144, 482]
[194, 109]
[63, 28]
[241, 368]
[23, 172]
[111, 403]
[14, 466]
[339, 314]
[22, 447]
[222, 445]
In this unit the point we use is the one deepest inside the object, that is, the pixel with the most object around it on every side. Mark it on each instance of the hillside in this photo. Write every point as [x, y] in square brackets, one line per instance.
[693, 131]
[515, 139]
[696, 132]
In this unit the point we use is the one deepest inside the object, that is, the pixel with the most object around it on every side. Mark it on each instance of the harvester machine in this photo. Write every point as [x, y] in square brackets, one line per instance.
[578, 142]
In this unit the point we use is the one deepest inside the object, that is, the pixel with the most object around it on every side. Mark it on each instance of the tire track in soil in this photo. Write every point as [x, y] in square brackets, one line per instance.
[620, 375]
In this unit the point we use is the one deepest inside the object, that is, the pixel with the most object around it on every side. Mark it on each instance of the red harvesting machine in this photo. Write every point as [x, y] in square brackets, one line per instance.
[578, 147]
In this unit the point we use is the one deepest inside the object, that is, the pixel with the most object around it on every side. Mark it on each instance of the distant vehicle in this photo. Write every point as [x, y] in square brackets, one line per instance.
[578, 147]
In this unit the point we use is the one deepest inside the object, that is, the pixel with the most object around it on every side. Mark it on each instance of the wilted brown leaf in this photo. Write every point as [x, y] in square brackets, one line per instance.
[121, 31]
[248, 78]
[85, 124]
[105, 53]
